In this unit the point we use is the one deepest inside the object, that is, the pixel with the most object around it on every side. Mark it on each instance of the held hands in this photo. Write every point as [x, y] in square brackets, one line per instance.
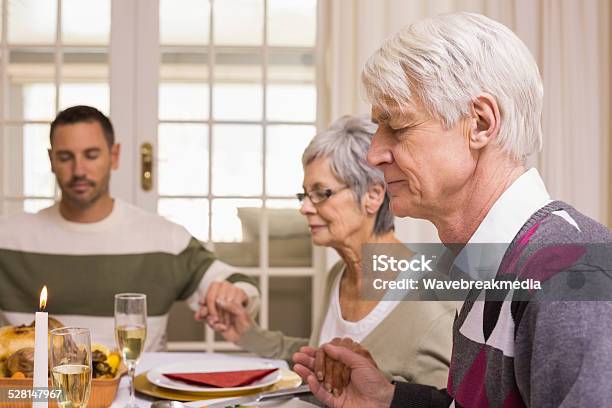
[333, 374]
[224, 309]
[346, 375]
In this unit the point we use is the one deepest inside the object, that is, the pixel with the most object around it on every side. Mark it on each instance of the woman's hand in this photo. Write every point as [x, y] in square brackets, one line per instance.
[224, 309]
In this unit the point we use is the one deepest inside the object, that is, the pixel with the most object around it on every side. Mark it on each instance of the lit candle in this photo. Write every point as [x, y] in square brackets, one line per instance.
[41, 348]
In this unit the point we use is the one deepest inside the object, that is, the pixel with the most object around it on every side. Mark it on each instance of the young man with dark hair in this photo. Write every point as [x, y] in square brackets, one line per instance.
[89, 246]
[84, 114]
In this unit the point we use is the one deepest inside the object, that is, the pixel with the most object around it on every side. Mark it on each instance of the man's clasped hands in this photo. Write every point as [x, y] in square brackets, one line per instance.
[342, 373]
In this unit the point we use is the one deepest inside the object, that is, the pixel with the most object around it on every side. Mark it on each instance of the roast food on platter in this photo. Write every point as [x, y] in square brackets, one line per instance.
[17, 353]
[13, 338]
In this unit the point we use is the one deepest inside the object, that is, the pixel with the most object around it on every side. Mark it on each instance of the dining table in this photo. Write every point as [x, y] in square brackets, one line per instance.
[152, 360]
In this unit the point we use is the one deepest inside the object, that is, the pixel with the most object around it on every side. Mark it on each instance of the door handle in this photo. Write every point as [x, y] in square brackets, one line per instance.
[146, 166]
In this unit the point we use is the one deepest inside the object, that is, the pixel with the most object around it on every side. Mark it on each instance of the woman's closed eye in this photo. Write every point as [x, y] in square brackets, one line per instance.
[321, 194]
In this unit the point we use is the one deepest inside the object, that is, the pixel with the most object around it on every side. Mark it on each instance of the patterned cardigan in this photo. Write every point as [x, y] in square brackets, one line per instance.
[536, 353]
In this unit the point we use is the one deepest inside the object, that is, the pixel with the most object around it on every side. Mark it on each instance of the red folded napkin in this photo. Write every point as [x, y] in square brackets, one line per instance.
[222, 379]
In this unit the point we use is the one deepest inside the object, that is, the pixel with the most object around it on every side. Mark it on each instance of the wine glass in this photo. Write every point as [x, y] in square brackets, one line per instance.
[70, 355]
[131, 332]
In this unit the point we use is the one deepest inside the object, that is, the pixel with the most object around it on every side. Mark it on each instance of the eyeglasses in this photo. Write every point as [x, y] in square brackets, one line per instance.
[318, 196]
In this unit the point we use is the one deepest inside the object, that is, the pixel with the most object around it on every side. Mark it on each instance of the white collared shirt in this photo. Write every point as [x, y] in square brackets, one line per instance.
[512, 209]
[500, 226]
[526, 195]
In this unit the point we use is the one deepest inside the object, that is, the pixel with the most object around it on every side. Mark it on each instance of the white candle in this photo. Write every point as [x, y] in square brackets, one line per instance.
[41, 348]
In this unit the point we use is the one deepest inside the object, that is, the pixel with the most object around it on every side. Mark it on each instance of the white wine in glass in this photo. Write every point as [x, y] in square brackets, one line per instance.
[70, 355]
[131, 332]
[130, 339]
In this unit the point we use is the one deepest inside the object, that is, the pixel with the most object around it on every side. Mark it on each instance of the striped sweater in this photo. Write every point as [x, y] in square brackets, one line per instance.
[536, 353]
[85, 265]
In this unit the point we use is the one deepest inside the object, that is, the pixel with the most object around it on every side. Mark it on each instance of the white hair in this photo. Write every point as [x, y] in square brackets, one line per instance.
[446, 61]
[346, 144]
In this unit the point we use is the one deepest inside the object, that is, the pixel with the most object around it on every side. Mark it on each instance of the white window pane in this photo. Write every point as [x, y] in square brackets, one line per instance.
[12, 160]
[86, 64]
[237, 160]
[91, 94]
[183, 159]
[191, 213]
[25, 159]
[285, 146]
[85, 80]
[35, 205]
[238, 22]
[38, 179]
[226, 224]
[292, 22]
[183, 101]
[38, 101]
[237, 101]
[291, 90]
[32, 21]
[31, 93]
[291, 66]
[184, 90]
[86, 21]
[292, 102]
[184, 22]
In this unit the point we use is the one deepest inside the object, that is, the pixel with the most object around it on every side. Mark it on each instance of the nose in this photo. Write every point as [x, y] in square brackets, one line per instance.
[78, 167]
[379, 152]
[307, 207]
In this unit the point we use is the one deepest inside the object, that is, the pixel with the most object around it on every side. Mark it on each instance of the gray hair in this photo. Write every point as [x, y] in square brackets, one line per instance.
[446, 61]
[346, 145]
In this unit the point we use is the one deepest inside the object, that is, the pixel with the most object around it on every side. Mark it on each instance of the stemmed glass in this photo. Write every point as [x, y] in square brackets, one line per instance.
[70, 355]
[131, 332]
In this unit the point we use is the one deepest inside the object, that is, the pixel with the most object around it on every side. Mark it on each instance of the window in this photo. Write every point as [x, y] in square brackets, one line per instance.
[236, 85]
[53, 54]
[237, 106]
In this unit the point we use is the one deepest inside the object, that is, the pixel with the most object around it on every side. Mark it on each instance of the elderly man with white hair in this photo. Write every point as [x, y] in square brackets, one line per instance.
[458, 100]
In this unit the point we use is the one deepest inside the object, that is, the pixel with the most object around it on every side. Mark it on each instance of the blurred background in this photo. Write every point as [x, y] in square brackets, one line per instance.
[229, 92]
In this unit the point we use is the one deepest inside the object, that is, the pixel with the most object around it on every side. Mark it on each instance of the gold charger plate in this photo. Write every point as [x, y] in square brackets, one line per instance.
[289, 379]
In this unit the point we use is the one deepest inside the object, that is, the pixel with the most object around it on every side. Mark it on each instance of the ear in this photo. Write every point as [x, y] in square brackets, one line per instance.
[486, 121]
[115, 152]
[50, 152]
[374, 198]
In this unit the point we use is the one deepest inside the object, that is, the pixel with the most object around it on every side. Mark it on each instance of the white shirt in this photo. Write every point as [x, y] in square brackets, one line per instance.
[526, 195]
[501, 224]
[512, 209]
[335, 325]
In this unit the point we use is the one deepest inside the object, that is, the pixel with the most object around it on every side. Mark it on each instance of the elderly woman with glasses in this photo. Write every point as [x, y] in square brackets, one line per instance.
[346, 205]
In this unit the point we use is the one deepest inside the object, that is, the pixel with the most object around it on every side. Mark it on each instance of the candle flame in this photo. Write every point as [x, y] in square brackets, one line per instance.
[43, 298]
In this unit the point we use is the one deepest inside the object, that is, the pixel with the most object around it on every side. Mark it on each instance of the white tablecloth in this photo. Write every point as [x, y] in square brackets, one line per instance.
[150, 360]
